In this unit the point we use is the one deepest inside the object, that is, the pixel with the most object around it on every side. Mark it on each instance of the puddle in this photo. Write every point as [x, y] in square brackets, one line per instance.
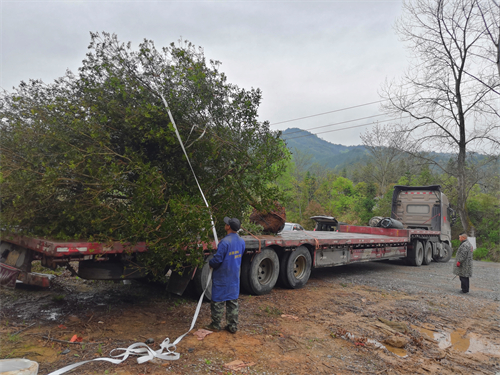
[462, 341]
[400, 352]
[458, 339]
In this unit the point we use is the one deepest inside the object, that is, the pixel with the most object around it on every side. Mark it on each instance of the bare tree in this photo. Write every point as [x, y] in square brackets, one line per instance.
[383, 144]
[490, 13]
[451, 90]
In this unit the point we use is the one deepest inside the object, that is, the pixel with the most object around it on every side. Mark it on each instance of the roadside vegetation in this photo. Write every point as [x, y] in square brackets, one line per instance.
[354, 196]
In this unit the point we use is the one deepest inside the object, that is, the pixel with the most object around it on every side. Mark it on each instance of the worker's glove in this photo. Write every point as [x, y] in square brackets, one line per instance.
[458, 264]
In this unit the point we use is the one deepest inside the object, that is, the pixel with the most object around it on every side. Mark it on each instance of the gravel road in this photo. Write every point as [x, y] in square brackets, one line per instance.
[435, 279]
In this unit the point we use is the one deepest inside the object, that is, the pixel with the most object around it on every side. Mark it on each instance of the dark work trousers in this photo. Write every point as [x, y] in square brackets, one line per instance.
[465, 284]
[217, 309]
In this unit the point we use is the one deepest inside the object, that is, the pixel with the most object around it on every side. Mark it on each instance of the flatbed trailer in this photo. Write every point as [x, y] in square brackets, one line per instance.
[288, 257]
[264, 255]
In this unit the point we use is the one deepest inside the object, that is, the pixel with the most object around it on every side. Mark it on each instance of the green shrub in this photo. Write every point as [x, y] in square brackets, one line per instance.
[481, 253]
[494, 254]
[494, 236]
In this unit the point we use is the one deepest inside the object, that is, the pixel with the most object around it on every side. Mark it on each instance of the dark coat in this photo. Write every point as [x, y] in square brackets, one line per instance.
[464, 256]
[226, 264]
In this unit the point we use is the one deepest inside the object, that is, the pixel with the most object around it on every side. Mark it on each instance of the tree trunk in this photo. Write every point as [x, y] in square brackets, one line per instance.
[462, 189]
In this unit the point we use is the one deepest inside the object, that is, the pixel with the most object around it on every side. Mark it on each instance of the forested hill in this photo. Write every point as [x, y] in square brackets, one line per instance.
[335, 156]
[324, 153]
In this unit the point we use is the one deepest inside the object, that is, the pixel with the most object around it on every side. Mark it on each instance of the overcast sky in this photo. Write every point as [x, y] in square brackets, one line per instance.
[307, 57]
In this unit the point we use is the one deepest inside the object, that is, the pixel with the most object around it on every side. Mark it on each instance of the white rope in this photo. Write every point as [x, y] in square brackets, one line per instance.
[190, 166]
[140, 349]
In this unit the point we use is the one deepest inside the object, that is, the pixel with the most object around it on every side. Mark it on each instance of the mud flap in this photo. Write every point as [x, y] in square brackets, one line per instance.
[177, 284]
[8, 275]
[36, 279]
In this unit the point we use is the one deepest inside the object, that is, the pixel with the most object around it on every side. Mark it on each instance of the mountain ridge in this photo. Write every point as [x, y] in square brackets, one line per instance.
[325, 153]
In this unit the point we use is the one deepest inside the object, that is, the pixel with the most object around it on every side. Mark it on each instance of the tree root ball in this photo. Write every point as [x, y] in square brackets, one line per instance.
[272, 221]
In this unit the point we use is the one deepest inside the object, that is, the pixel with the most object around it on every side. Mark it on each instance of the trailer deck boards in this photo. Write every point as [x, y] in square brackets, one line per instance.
[348, 235]
[320, 239]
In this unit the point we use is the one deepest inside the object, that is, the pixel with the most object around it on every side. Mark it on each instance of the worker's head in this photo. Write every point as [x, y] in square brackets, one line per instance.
[233, 223]
[462, 237]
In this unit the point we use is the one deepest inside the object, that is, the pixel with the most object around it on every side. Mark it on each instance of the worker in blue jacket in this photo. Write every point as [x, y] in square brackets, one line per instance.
[226, 265]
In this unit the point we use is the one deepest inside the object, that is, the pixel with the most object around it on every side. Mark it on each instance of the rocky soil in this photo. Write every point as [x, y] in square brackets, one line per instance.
[369, 318]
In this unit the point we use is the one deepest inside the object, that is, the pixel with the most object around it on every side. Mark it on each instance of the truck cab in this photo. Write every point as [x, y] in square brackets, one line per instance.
[423, 207]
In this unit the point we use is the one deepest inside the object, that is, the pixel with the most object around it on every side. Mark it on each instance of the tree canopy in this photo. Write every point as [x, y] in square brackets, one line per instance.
[93, 155]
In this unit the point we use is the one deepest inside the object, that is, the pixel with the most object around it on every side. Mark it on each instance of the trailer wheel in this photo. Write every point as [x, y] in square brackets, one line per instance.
[244, 274]
[427, 258]
[416, 254]
[447, 257]
[200, 280]
[262, 272]
[295, 268]
[283, 280]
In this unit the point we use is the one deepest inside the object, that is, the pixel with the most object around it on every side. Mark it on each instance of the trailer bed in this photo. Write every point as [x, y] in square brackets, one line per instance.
[348, 235]
[355, 236]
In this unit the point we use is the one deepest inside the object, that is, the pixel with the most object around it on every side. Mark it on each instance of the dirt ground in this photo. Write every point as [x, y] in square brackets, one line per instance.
[340, 323]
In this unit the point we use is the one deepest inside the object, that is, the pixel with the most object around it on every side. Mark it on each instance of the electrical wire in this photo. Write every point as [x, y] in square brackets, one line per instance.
[337, 123]
[351, 107]
[347, 121]
[325, 113]
[336, 130]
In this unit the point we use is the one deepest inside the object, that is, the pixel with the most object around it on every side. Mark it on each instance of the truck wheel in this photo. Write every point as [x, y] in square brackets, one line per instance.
[244, 274]
[427, 259]
[263, 272]
[200, 280]
[416, 254]
[282, 274]
[295, 268]
[447, 257]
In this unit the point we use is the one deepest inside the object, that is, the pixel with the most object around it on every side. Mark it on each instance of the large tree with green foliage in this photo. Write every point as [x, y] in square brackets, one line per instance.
[94, 154]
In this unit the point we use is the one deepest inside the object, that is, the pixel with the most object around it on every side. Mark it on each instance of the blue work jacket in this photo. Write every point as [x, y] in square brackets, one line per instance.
[226, 265]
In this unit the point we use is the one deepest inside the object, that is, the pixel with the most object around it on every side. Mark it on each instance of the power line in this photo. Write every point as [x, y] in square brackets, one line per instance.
[347, 121]
[325, 113]
[336, 130]
[337, 123]
[356, 106]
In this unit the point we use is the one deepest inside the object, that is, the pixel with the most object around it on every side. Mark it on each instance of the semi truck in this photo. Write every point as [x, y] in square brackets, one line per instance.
[287, 258]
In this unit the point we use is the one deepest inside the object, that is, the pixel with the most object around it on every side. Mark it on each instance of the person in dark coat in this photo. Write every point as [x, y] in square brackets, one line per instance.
[226, 265]
[463, 265]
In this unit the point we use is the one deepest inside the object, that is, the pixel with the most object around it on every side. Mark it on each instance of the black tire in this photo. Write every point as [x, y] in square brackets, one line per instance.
[416, 254]
[427, 259]
[295, 268]
[263, 271]
[200, 280]
[447, 257]
[244, 274]
[283, 280]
